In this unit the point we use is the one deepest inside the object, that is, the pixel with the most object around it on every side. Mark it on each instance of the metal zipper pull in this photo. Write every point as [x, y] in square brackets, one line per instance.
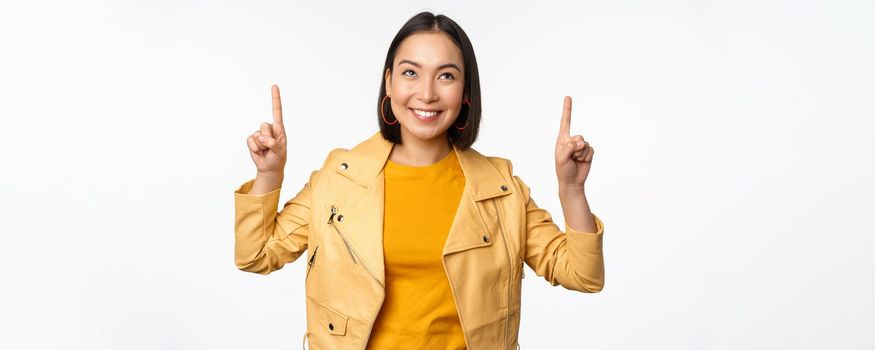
[333, 212]
[342, 236]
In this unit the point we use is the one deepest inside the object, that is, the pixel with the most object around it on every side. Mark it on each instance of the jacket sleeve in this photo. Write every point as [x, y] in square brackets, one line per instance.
[266, 240]
[572, 258]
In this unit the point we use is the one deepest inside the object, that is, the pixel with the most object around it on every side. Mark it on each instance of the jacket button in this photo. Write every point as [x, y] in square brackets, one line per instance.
[330, 326]
[486, 238]
[340, 218]
[503, 188]
[344, 166]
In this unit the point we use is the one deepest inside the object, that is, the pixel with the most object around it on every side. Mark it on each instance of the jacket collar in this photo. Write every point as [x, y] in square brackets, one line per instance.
[365, 162]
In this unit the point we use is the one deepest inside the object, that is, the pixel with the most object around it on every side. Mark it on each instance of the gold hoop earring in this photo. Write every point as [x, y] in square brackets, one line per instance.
[382, 103]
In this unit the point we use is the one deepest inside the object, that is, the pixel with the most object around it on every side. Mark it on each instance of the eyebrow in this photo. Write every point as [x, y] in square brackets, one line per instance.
[445, 65]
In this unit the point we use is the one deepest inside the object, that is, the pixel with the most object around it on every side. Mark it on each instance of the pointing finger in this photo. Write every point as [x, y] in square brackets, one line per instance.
[277, 107]
[565, 125]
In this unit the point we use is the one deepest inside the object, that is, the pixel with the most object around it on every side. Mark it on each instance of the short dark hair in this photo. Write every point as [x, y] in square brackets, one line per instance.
[429, 22]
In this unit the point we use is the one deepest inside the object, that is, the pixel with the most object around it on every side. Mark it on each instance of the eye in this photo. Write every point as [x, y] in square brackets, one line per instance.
[404, 73]
[451, 77]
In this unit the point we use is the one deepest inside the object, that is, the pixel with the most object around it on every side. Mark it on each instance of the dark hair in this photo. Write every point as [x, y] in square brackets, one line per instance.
[429, 22]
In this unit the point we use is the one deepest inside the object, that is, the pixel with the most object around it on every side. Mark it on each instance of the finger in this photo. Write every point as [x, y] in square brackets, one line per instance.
[579, 144]
[574, 143]
[268, 141]
[582, 156]
[277, 108]
[265, 130]
[565, 151]
[250, 141]
[585, 153]
[257, 138]
[588, 157]
[565, 124]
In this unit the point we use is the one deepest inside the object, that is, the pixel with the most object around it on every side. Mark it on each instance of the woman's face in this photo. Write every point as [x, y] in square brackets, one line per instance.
[426, 85]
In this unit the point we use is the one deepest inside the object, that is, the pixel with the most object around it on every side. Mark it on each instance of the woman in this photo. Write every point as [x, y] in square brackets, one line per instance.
[414, 239]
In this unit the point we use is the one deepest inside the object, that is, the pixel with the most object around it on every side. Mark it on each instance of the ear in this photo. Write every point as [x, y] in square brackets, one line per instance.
[388, 79]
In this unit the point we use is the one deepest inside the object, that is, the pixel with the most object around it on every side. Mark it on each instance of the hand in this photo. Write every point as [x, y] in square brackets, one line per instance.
[267, 146]
[573, 153]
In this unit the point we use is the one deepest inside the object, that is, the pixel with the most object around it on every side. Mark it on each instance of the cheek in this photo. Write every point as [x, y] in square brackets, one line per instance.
[453, 95]
[403, 86]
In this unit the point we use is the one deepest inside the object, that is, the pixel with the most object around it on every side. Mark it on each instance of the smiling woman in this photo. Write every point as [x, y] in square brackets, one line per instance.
[416, 240]
[431, 81]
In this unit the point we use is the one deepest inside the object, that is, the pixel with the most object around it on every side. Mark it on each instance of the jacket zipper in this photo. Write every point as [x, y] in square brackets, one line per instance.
[307, 279]
[310, 263]
[371, 272]
[342, 236]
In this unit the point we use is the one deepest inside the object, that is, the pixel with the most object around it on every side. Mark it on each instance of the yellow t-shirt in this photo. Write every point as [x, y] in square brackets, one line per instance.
[419, 311]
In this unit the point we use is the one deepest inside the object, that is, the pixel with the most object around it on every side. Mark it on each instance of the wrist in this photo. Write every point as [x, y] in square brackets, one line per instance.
[269, 176]
[271, 173]
[571, 189]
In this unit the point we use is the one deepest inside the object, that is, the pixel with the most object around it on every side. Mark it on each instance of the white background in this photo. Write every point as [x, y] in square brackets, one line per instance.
[733, 165]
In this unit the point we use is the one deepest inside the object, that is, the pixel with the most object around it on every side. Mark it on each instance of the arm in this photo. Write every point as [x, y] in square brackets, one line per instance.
[266, 240]
[572, 258]
[575, 208]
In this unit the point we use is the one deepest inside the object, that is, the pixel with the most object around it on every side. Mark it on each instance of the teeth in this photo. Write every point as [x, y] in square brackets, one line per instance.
[425, 113]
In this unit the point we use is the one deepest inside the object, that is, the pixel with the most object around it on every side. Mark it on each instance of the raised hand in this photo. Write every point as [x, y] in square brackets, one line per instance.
[573, 153]
[267, 146]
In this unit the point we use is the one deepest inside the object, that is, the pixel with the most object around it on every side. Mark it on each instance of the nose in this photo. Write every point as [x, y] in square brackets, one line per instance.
[427, 93]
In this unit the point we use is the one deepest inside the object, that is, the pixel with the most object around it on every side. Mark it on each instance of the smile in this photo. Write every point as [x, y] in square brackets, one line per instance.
[426, 115]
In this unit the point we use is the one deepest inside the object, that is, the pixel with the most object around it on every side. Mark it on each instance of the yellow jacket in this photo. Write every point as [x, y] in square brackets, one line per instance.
[337, 217]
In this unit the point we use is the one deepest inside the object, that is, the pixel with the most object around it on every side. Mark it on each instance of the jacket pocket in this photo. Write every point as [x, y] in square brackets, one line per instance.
[310, 263]
[332, 320]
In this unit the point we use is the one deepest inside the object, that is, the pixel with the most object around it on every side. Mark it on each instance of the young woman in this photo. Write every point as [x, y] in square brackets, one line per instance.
[414, 239]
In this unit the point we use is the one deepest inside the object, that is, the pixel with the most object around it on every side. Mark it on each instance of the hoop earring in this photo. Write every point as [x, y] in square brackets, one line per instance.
[383, 102]
[463, 126]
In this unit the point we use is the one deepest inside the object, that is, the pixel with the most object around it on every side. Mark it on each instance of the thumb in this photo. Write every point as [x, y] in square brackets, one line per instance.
[565, 150]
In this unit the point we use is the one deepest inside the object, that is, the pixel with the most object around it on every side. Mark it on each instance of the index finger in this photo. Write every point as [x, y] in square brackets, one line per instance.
[565, 124]
[277, 105]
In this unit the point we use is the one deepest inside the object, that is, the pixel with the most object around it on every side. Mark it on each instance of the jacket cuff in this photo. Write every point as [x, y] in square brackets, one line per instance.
[599, 227]
[242, 196]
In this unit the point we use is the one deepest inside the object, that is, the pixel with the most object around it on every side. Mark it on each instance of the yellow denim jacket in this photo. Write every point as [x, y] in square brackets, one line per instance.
[337, 217]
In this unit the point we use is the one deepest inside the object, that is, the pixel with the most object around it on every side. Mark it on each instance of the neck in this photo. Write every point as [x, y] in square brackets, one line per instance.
[420, 152]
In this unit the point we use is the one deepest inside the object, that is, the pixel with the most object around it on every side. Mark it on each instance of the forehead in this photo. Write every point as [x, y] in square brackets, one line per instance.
[429, 49]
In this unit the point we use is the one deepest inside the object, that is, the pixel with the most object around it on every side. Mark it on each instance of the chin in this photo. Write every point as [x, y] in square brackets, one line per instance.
[425, 132]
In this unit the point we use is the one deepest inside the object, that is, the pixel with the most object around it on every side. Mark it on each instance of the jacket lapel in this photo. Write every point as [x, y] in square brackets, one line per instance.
[469, 229]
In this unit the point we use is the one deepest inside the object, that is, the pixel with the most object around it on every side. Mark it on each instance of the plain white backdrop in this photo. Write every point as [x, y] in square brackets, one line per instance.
[733, 165]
